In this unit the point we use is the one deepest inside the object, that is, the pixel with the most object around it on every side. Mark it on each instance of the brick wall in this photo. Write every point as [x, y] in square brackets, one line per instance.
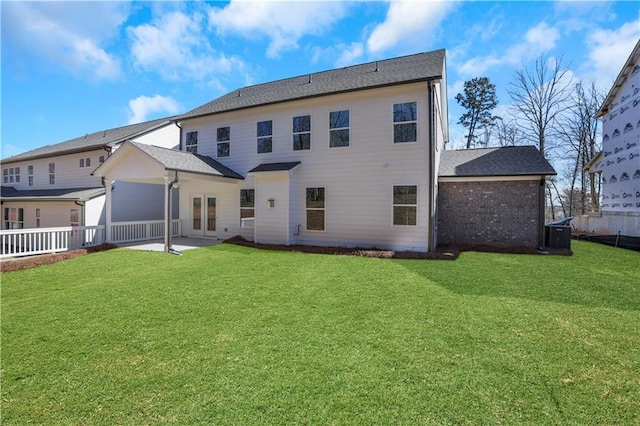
[503, 214]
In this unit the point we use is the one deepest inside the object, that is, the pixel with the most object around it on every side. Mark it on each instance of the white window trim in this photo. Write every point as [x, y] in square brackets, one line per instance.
[306, 209]
[293, 134]
[221, 142]
[195, 145]
[340, 128]
[416, 205]
[248, 208]
[264, 137]
[417, 121]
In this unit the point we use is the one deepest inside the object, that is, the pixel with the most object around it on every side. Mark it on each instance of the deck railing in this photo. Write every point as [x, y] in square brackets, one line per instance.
[125, 232]
[24, 242]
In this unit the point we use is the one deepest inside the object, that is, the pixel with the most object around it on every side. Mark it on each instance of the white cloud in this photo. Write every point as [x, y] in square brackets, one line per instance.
[142, 107]
[538, 40]
[610, 50]
[283, 23]
[408, 22]
[69, 35]
[174, 46]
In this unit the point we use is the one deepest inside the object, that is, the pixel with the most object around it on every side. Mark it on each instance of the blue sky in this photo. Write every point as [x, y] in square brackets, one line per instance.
[70, 68]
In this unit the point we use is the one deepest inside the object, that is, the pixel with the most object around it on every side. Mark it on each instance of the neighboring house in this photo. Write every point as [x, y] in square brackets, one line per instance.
[53, 186]
[345, 157]
[492, 196]
[619, 161]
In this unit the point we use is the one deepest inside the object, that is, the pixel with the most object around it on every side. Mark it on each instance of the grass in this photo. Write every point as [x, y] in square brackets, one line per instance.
[233, 335]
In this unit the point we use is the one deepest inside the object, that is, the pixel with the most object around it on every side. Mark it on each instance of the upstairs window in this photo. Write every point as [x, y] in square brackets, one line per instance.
[264, 132]
[405, 205]
[52, 173]
[11, 175]
[5, 176]
[191, 143]
[247, 208]
[223, 137]
[302, 133]
[339, 128]
[405, 122]
[17, 174]
[315, 209]
[101, 159]
[30, 175]
[85, 162]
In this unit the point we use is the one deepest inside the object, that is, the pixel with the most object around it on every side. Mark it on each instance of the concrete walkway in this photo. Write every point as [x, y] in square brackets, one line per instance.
[179, 244]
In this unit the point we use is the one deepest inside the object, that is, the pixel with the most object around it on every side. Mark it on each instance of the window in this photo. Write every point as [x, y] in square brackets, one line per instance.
[52, 173]
[302, 133]
[264, 132]
[247, 208]
[101, 159]
[315, 209]
[192, 142]
[85, 162]
[405, 122]
[405, 205]
[30, 175]
[223, 138]
[13, 218]
[74, 217]
[5, 176]
[37, 218]
[17, 172]
[339, 128]
[11, 175]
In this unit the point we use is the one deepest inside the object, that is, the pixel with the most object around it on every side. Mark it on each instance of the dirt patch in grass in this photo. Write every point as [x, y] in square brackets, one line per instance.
[16, 264]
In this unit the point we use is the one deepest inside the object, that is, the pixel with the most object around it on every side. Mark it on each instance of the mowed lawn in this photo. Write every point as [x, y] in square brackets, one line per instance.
[233, 335]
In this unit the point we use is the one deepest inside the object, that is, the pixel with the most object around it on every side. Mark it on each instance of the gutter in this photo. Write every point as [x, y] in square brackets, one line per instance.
[430, 210]
[167, 231]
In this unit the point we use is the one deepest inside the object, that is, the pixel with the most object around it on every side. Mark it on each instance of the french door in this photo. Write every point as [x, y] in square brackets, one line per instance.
[203, 215]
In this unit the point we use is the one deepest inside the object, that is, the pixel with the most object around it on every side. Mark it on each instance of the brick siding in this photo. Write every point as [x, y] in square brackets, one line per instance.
[502, 214]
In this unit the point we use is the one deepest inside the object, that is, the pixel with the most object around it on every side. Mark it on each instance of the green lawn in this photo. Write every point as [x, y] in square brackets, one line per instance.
[233, 335]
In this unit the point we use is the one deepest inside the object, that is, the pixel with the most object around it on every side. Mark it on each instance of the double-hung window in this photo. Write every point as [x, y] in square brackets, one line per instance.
[264, 133]
[85, 162]
[30, 175]
[223, 138]
[52, 173]
[247, 208]
[11, 175]
[339, 128]
[315, 205]
[405, 122]
[405, 205]
[13, 218]
[191, 142]
[302, 132]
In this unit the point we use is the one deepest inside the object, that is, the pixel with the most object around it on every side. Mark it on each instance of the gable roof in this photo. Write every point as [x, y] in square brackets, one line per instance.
[97, 140]
[274, 167]
[625, 72]
[186, 161]
[503, 161]
[66, 194]
[389, 72]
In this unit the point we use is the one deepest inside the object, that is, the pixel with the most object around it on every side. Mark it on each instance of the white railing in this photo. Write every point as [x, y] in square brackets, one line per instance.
[24, 242]
[247, 222]
[124, 232]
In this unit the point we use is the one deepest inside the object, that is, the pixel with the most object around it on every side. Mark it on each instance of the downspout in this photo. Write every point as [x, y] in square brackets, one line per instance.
[82, 218]
[431, 141]
[167, 234]
[180, 138]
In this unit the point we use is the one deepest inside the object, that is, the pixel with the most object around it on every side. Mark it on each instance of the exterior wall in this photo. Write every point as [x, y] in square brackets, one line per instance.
[94, 213]
[166, 137]
[608, 223]
[55, 214]
[496, 213]
[621, 149]
[68, 173]
[358, 179]
[272, 224]
[140, 201]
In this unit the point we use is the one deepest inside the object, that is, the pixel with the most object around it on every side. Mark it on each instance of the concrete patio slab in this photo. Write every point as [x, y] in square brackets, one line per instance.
[180, 244]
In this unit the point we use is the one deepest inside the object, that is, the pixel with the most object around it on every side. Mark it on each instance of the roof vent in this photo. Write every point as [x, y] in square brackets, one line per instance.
[86, 135]
[104, 134]
[377, 69]
[239, 94]
[310, 78]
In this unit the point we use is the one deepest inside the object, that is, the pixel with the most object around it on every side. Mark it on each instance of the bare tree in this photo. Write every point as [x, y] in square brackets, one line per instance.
[579, 130]
[538, 96]
[507, 132]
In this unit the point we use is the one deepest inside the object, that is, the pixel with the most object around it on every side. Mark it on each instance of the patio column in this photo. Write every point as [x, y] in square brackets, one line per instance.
[167, 215]
[108, 199]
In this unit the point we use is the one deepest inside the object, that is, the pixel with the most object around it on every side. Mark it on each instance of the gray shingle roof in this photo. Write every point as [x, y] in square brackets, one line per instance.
[274, 167]
[505, 161]
[97, 140]
[187, 161]
[71, 194]
[405, 69]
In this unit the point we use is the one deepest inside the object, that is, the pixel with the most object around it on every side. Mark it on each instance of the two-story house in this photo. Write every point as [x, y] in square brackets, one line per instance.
[53, 186]
[344, 157]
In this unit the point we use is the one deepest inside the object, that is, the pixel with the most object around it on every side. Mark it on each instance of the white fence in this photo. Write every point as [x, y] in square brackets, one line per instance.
[24, 242]
[125, 232]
